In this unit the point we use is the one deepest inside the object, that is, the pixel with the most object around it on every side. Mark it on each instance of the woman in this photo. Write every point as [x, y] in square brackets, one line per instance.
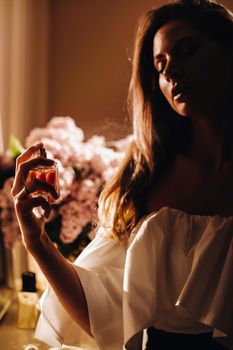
[162, 256]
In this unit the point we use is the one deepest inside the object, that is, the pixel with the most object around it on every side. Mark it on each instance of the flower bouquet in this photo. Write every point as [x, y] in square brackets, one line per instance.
[83, 166]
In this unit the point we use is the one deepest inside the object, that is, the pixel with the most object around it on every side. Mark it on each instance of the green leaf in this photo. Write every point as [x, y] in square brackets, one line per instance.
[15, 147]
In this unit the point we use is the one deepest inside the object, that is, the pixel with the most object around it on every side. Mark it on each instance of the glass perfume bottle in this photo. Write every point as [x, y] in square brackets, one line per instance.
[47, 174]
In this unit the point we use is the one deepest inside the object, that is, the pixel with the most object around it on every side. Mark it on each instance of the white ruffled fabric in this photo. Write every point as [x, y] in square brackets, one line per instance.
[176, 276]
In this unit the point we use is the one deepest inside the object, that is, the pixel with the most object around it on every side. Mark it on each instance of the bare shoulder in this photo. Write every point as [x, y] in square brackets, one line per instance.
[194, 187]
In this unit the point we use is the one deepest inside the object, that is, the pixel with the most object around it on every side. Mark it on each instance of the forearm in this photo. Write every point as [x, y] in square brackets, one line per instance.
[63, 279]
[58, 271]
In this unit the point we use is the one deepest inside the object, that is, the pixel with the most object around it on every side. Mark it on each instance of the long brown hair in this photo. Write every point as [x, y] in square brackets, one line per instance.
[159, 132]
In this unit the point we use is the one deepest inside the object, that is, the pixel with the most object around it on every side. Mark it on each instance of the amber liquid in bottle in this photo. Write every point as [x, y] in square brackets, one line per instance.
[47, 174]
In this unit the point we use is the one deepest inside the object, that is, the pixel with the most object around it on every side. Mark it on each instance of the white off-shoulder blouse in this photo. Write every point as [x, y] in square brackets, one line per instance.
[176, 275]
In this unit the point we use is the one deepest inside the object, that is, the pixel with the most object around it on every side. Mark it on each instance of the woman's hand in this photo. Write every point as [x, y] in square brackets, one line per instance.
[31, 225]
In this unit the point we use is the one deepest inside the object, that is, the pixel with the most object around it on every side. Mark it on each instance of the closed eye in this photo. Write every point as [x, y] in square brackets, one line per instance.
[183, 48]
[160, 70]
[160, 65]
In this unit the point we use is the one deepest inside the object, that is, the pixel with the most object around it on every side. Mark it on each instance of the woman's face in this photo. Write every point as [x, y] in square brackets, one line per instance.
[194, 73]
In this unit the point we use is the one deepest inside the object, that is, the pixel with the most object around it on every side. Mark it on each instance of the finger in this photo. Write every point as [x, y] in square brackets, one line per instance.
[25, 207]
[38, 185]
[24, 194]
[36, 202]
[35, 186]
[28, 153]
[17, 185]
[23, 170]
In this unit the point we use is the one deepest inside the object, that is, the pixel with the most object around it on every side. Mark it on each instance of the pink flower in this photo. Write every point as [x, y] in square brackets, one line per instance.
[74, 218]
[83, 166]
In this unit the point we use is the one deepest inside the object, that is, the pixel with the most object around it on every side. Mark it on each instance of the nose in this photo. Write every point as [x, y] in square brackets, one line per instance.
[173, 70]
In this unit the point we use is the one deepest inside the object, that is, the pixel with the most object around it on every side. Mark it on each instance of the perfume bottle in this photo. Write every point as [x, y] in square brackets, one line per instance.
[47, 174]
[28, 311]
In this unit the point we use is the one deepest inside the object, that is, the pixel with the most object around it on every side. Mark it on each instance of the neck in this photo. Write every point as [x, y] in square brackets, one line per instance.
[207, 145]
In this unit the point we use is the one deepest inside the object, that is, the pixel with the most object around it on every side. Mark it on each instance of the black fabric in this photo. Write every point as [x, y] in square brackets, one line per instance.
[161, 340]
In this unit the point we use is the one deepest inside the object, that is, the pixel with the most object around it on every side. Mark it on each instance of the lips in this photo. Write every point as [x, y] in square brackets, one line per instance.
[179, 90]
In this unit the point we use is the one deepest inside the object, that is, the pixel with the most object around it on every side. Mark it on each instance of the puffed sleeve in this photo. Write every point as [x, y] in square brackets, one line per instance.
[100, 269]
[185, 262]
[212, 267]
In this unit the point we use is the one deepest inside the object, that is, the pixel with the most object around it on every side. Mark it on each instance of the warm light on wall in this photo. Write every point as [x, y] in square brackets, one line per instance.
[1, 136]
[23, 66]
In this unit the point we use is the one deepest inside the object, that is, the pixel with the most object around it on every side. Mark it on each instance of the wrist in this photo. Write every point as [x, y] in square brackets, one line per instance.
[39, 246]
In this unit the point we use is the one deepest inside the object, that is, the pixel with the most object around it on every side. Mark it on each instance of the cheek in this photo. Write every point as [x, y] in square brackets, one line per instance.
[164, 87]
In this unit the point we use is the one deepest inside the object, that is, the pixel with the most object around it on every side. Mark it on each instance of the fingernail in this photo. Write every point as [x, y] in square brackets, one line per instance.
[39, 144]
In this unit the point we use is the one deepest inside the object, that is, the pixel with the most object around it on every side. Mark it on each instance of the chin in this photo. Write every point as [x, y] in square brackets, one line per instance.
[187, 110]
[183, 113]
